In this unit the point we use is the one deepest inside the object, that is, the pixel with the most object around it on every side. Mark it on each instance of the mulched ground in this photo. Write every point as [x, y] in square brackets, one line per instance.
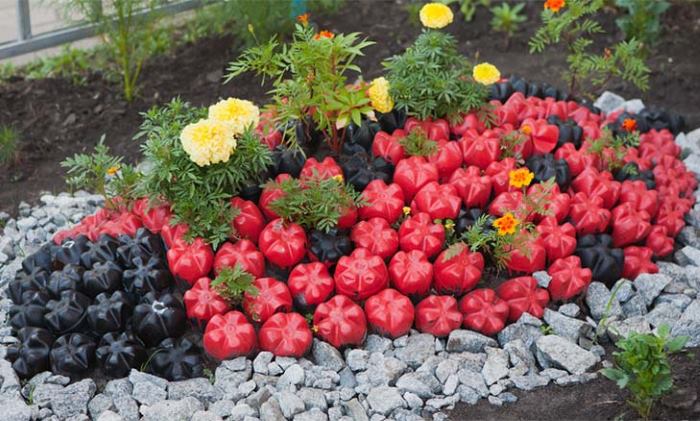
[57, 119]
[598, 400]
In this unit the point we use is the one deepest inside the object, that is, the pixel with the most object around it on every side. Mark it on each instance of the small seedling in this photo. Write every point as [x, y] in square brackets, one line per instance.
[9, 145]
[506, 19]
[642, 367]
[232, 283]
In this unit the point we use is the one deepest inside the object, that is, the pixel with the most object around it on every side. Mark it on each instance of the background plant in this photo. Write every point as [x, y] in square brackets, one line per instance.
[232, 283]
[431, 79]
[507, 19]
[642, 19]
[309, 78]
[72, 63]
[467, 7]
[102, 173]
[128, 36]
[642, 367]
[315, 203]
[198, 196]
[9, 145]
[611, 148]
[573, 27]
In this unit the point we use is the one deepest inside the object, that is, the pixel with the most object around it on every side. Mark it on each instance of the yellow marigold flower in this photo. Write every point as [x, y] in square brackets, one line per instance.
[379, 95]
[239, 114]
[111, 171]
[435, 15]
[406, 210]
[506, 224]
[338, 178]
[526, 129]
[449, 224]
[554, 5]
[486, 74]
[208, 141]
[522, 177]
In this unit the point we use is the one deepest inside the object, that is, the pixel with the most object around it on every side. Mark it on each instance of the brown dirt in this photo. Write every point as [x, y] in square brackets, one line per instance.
[599, 399]
[57, 119]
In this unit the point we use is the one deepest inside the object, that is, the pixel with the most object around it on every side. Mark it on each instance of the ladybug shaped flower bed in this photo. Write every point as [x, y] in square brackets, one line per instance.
[399, 223]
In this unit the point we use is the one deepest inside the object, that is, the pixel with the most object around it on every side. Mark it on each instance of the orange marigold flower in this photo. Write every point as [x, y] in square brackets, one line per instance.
[303, 19]
[522, 177]
[554, 5]
[324, 34]
[506, 224]
[629, 124]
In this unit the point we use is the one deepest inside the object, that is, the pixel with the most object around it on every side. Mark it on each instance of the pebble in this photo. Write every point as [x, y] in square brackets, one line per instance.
[555, 351]
[689, 324]
[466, 340]
[650, 285]
[599, 302]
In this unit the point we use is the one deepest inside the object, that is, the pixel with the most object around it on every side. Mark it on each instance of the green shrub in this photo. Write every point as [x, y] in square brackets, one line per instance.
[9, 145]
[309, 78]
[102, 173]
[506, 19]
[642, 20]
[431, 78]
[198, 195]
[573, 27]
[642, 367]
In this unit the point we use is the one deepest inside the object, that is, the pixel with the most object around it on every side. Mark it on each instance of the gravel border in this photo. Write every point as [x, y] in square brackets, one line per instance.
[414, 377]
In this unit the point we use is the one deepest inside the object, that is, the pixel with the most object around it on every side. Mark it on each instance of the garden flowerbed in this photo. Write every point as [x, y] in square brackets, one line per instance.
[385, 263]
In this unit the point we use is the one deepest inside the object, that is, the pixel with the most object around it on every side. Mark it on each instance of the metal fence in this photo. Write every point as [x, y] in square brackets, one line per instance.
[27, 42]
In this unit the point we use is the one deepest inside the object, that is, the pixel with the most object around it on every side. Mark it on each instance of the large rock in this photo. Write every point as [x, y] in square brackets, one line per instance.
[466, 340]
[73, 400]
[650, 285]
[496, 365]
[14, 409]
[383, 400]
[620, 329]
[418, 349]
[422, 383]
[609, 102]
[327, 356]
[689, 324]
[566, 327]
[179, 410]
[555, 351]
[600, 302]
[663, 314]
[199, 388]
[148, 389]
[691, 254]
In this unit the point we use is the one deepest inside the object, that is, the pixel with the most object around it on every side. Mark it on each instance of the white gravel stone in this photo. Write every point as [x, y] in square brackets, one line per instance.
[650, 285]
[418, 349]
[608, 102]
[598, 299]
[689, 324]
[496, 365]
[175, 410]
[384, 400]
[466, 340]
[327, 356]
[555, 351]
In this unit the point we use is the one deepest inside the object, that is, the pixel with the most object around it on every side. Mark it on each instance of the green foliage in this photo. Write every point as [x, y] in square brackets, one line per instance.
[198, 196]
[9, 145]
[642, 367]
[509, 142]
[232, 283]
[72, 63]
[129, 39]
[574, 26]
[611, 149]
[416, 143]
[309, 77]
[7, 70]
[467, 7]
[315, 203]
[102, 173]
[642, 20]
[482, 237]
[431, 79]
[506, 19]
